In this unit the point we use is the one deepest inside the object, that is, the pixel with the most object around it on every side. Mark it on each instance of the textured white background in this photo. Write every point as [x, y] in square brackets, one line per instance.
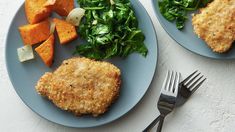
[211, 109]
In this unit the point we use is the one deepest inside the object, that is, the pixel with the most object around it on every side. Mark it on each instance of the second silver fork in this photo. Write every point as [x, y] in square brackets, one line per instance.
[167, 100]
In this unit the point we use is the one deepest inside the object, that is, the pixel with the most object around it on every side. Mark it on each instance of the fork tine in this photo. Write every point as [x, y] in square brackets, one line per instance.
[194, 83]
[195, 88]
[165, 80]
[177, 84]
[172, 81]
[169, 81]
[185, 80]
[191, 80]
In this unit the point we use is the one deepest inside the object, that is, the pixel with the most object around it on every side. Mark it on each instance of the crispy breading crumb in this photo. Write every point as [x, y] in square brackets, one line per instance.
[82, 86]
[215, 24]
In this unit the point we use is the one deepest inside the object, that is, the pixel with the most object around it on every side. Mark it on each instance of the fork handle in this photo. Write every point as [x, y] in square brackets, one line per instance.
[153, 123]
[159, 128]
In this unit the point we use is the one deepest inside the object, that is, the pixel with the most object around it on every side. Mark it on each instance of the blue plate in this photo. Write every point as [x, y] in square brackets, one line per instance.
[188, 39]
[137, 74]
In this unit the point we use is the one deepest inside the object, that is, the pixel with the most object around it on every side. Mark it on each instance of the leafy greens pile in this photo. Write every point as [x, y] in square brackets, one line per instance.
[176, 10]
[111, 29]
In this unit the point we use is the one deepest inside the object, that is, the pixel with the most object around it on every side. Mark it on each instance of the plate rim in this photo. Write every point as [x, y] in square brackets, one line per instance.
[90, 126]
[171, 35]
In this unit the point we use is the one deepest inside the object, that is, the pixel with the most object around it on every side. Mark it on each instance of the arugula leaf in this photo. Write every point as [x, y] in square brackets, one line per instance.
[176, 10]
[110, 30]
[204, 3]
[89, 51]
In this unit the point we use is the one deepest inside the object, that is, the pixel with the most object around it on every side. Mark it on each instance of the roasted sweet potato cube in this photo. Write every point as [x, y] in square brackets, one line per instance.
[36, 11]
[66, 31]
[35, 33]
[62, 7]
[46, 50]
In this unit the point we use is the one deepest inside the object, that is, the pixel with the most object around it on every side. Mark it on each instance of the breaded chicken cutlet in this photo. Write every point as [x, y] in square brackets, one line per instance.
[82, 86]
[215, 24]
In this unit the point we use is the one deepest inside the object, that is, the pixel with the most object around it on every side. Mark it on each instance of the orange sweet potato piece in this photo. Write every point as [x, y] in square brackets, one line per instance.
[66, 31]
[46, 50]
[36, 33]
[36, 11]
[62, 7]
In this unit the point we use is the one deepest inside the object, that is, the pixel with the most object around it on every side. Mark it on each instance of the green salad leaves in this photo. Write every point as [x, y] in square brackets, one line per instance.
[111, 29]
[176, 10]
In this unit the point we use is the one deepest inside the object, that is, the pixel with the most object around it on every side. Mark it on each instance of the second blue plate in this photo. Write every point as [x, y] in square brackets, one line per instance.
[188, 39]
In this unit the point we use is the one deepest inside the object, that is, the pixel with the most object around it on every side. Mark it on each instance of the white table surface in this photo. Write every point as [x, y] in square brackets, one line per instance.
[211, 109]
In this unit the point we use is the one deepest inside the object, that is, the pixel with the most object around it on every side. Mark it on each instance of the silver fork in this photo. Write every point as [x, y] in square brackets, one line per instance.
[167, 100]
[188, 86]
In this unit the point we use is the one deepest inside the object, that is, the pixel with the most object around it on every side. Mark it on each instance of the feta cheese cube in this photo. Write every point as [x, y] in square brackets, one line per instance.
[25, 53]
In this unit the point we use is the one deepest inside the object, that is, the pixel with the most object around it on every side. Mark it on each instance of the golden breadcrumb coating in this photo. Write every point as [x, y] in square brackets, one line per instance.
[215, 24]
[82, 86]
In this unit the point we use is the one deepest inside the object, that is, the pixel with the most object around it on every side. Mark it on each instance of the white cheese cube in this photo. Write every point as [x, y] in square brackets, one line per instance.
[25, 53]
